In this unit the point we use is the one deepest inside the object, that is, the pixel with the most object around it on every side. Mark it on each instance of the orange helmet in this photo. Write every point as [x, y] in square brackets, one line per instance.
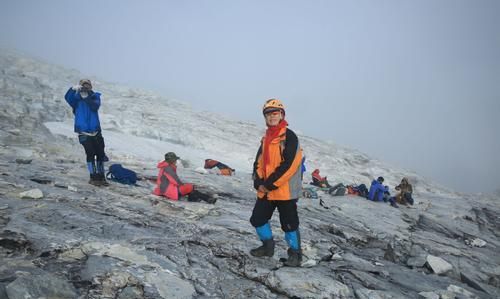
[273, 105]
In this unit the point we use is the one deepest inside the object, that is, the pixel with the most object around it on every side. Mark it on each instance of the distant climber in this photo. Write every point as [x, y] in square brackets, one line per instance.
[359, 190]
[338, 190]
[85, 104]
[277, 179]
[169, 185]
[379, 192]
[405, 192]
[318, 180]
[223, 168]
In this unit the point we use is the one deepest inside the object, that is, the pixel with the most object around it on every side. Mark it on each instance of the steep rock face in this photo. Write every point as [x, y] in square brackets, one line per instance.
[123, 242]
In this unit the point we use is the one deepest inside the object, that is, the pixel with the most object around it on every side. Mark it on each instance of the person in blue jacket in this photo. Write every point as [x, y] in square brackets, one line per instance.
[379, 192]
[85, 104]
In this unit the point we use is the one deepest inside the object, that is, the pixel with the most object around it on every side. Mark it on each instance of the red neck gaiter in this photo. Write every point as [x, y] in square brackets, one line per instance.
[271, 133]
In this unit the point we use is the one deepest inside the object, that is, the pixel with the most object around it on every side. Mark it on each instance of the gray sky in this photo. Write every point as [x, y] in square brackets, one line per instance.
[413, 83]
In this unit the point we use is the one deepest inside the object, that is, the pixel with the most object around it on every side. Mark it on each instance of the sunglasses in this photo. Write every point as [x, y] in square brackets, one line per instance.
[273, 113]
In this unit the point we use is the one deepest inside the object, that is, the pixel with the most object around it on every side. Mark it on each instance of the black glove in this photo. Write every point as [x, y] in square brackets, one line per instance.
[257, 182]
[270, 186]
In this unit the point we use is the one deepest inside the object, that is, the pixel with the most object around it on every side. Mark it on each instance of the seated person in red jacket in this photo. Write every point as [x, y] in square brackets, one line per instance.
[318, 180]
[223, 168]
[168, 183]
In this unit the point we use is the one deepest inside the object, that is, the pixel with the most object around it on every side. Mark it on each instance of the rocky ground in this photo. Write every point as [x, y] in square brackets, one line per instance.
[81, 241]
[63, 238]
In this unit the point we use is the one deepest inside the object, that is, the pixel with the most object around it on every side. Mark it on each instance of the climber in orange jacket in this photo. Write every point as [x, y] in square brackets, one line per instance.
[278, 180]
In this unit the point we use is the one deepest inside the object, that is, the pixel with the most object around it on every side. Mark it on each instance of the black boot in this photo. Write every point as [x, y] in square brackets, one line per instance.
[197, 196]
[267, 249]
[102, 179]
[294, 258]
[94, 180]
[210, 199]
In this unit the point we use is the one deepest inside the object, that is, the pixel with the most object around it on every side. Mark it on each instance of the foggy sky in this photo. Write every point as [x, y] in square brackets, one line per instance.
[413, 83]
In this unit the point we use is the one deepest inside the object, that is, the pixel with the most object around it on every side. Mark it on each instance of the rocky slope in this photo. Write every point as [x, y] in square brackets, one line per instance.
[75, 240]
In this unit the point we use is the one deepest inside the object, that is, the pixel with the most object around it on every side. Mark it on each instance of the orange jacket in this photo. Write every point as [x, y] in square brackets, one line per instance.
[283, 176]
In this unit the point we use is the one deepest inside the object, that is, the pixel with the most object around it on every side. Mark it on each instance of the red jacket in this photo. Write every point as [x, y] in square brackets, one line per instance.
[167, 183]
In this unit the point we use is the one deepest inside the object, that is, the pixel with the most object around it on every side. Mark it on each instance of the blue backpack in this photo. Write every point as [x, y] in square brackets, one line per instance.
[122, 175]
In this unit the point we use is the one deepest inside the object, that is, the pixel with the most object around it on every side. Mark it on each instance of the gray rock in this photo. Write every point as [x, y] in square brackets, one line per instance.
[316, 284]
[23, 161]
[130, 292]
[461, 291]
[14, 240]
[428, 295]
[445, 294]
[416, 261]
[40, 286]
[72, 254]
[478, 243]
[96, 266]
[3, 293]
[32, 194]
[438, 265]
[362, 293]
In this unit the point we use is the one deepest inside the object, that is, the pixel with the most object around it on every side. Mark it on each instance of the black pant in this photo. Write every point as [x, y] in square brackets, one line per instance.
[264, 209]
[94, 147]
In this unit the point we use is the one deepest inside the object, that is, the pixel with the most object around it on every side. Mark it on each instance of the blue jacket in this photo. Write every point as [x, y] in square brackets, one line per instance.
[377, 191]
[85, 110]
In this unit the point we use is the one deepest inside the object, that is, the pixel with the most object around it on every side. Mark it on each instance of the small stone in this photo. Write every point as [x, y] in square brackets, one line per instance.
[60, 185]
[478, 243]
[16, 132]
[428, 295]
[33, 194]
[416, 261]
[438, 265]
[72, 188]
[4, 207]
[23, 161]
[445, 294]
[336, 256]
[458, 290]
[40, 286]
[309, 263]
[72, 254]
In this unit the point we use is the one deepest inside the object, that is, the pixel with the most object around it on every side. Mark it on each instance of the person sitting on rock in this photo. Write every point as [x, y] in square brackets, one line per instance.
[405, 192]
[359, 190]
[319, 181]
[338, 190]
[169, 185]
[223, 168]
[379, 192]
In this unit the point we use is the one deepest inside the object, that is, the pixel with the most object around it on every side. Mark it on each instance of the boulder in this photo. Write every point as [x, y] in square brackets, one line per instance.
[32, 194]
[438, 265]
[428, 295]
[40, 286]
[461, 291]
[478, 243]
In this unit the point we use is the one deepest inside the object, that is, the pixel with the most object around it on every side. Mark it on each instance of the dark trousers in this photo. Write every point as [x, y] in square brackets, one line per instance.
[264, 209]
[94, 147]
